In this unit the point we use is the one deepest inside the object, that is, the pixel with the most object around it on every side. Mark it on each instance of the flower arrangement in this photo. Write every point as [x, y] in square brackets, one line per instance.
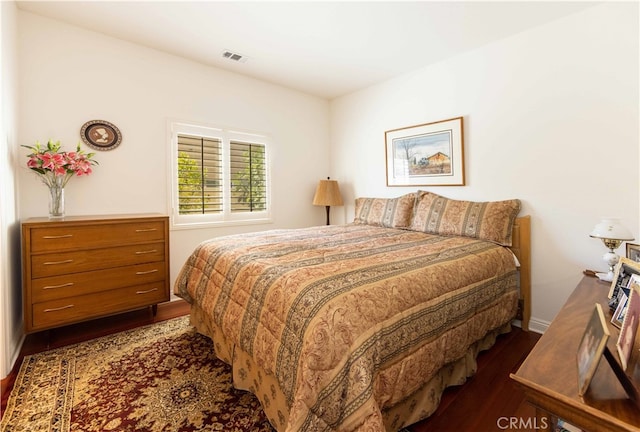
[56, 167]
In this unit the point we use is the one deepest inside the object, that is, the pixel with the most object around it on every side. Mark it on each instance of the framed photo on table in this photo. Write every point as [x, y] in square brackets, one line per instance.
[591, 348]
[618, 314]
[623, 271]
[633, 252]
[629, 327]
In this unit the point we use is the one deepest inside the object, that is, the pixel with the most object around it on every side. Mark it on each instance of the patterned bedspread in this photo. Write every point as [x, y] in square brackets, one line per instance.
[332, 312]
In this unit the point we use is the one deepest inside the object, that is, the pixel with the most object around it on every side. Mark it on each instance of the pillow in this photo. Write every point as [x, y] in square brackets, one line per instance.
[386, 212]
[491, 220]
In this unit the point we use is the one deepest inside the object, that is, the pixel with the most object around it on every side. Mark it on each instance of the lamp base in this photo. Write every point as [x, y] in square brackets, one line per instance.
[605, 277]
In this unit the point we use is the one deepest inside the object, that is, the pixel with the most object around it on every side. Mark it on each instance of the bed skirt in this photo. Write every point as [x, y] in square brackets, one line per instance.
[247, 375]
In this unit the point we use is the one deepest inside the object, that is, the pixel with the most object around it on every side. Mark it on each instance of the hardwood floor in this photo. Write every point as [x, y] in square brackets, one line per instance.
[480, 405]
[490, 398]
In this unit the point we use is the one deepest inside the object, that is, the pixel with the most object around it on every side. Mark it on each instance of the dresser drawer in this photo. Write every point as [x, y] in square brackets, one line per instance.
[74, 309]
[72, 237]
[53, 264]
[74, 284]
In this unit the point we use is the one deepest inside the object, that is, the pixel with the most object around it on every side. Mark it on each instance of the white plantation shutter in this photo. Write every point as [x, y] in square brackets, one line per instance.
[219, 176]
[248, 177]
[199, 175]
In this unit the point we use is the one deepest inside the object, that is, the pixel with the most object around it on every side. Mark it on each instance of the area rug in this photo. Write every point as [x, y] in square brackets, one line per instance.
[163, 377]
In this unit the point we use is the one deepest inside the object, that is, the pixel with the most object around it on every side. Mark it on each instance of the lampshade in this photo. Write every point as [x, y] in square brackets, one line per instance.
[327, 193]
[611, 228]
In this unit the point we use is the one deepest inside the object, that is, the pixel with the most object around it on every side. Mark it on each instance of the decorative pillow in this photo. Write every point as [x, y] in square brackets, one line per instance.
[491, 220]
[386, 212]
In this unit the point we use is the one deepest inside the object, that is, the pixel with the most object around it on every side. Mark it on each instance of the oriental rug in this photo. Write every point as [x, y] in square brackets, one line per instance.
[163, 377]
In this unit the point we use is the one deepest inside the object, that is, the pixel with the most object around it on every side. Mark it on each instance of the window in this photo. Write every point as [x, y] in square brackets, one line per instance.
[218, 176]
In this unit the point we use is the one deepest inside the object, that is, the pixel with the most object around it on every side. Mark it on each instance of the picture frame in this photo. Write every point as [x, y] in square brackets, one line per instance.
[100, 135]
[623, 271]
[618, 315]
[430, 154]
[633, 252]
[591, 348]
[629, 328]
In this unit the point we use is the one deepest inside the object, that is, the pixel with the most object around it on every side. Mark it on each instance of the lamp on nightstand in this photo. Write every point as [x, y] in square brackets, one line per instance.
[612, 233]
[327, 194]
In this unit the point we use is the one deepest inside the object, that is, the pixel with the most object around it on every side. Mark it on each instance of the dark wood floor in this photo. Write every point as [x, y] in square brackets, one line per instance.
[480, 405]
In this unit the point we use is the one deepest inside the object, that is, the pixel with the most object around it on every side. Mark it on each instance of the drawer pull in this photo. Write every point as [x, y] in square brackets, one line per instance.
[147, 229]
[58, 262]
[147, 291]
[146, 272]
[146, 252]
[50, 237]
[57, 286]
[59, 309]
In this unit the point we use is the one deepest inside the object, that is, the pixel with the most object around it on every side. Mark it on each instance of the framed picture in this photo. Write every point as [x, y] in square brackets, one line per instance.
[629, 326]
[621, 279]
[100, 135]
[633, 252]
[618, 314]
[430, 154]
[591, 348]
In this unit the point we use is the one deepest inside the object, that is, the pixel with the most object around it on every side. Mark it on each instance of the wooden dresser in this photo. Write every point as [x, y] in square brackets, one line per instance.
[80, 268]
[549, 375]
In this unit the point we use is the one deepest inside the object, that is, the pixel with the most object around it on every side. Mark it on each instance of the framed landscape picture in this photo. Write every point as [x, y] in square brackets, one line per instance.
[591, 348]
[430, 154]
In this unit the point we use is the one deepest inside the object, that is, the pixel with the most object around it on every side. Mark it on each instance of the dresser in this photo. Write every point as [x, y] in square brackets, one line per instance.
[84, 267]
[549, 375]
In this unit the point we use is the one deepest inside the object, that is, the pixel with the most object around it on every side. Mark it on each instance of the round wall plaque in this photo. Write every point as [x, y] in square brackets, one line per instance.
[100, 135]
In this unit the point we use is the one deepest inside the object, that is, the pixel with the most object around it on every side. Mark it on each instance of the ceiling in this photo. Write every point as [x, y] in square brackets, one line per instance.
[324, 48]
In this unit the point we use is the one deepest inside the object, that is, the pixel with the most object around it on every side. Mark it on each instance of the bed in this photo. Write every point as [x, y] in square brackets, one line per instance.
[362, 326]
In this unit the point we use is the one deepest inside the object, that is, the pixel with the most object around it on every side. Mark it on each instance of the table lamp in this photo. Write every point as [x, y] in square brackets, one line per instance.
[612, 233]
[327, 194]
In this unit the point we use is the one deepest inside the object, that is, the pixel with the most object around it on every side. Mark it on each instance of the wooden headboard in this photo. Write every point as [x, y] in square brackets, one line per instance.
[522, 249]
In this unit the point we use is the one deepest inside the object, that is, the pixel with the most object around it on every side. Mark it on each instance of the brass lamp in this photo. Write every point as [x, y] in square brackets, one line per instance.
[612, 233]
[327, 194]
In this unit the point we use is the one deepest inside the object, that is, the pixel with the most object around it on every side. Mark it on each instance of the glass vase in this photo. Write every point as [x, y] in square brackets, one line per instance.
[56, 201]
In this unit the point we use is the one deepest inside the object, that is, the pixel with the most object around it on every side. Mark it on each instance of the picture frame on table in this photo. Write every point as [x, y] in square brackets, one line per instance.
[591, 348]
[430, 154]
[618, 315]
[629, 327]
[623, 271]
[633, 252]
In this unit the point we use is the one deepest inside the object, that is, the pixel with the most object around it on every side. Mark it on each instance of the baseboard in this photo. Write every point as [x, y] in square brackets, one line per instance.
[538, 325]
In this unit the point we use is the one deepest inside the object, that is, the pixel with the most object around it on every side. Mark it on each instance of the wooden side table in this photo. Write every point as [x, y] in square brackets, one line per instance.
[549, 375]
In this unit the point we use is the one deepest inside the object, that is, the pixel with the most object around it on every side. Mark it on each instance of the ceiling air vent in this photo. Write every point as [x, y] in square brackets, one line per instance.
[234, 56]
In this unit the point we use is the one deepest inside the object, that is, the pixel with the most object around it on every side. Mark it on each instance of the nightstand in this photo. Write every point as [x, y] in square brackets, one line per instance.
[549, 375]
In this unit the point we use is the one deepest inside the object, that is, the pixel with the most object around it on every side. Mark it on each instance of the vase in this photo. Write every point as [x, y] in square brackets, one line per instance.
[56, 201]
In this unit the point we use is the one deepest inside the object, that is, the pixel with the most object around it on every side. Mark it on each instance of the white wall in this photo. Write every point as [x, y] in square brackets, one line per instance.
[550, 117]
[10, 299]
[69, 76]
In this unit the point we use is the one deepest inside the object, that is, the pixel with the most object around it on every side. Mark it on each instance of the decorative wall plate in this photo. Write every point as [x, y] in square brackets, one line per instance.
[100, 135]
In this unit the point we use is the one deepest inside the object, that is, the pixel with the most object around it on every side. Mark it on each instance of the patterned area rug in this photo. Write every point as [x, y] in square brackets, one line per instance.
[162, 377]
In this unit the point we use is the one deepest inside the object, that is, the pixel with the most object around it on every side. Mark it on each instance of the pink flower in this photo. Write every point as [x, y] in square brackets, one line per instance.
[50, 163]
[33, 162]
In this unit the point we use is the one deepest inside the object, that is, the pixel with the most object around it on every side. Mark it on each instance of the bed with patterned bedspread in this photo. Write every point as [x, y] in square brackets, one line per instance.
[335, 327]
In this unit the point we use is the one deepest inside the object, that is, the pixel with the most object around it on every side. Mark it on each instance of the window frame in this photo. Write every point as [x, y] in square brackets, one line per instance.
[226, 217]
